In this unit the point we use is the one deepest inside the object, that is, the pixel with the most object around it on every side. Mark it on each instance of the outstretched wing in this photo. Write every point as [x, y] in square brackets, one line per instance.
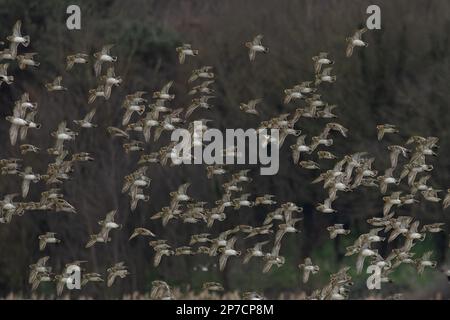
[359, 33]
[166, 88]
[90, 115]
[16, 28]
[106, 48]
[257, 40]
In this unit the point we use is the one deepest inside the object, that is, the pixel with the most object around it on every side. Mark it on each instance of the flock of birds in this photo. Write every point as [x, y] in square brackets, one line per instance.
[409, 172]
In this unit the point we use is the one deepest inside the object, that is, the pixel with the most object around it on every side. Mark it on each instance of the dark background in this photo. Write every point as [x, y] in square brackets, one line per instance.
[400, 78]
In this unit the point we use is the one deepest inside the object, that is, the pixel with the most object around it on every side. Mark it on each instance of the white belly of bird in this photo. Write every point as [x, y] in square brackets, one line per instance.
[328, 210]
[19, 121]
[222, 243]
[327, 78]
[28, 62]
[337, 296]
[245, 203]
[396, 201]
[169, 126]
[182, 197]
[359, 43]
[290, 229]
[317, 103]
[87, 125]
[64, 136]
[374, 238]
[415, 235]
[112, 225]
[408, 260]
[324, 61]
[105, 57]
[19, 40]
[7, 56]
[164, 96]
[258, 48]
[291, 131]
[140, 197]
[230, 252]
[79, 60]
[258, 253]
[112, 81]
[27, 105]
[390, 180]
[29, 177]
[427, 263]
[174, 155]
[151, 123]
[162, 109]
[340, 186]
[188, 52]
[367, 252]
[32, 125]
[135, 107]
[140, 183]
[51, 240]
[296, 95]
[303, 148]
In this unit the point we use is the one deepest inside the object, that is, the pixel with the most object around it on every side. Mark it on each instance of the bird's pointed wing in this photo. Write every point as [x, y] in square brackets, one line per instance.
[166, 88]
[16, 28]
[257, 40]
